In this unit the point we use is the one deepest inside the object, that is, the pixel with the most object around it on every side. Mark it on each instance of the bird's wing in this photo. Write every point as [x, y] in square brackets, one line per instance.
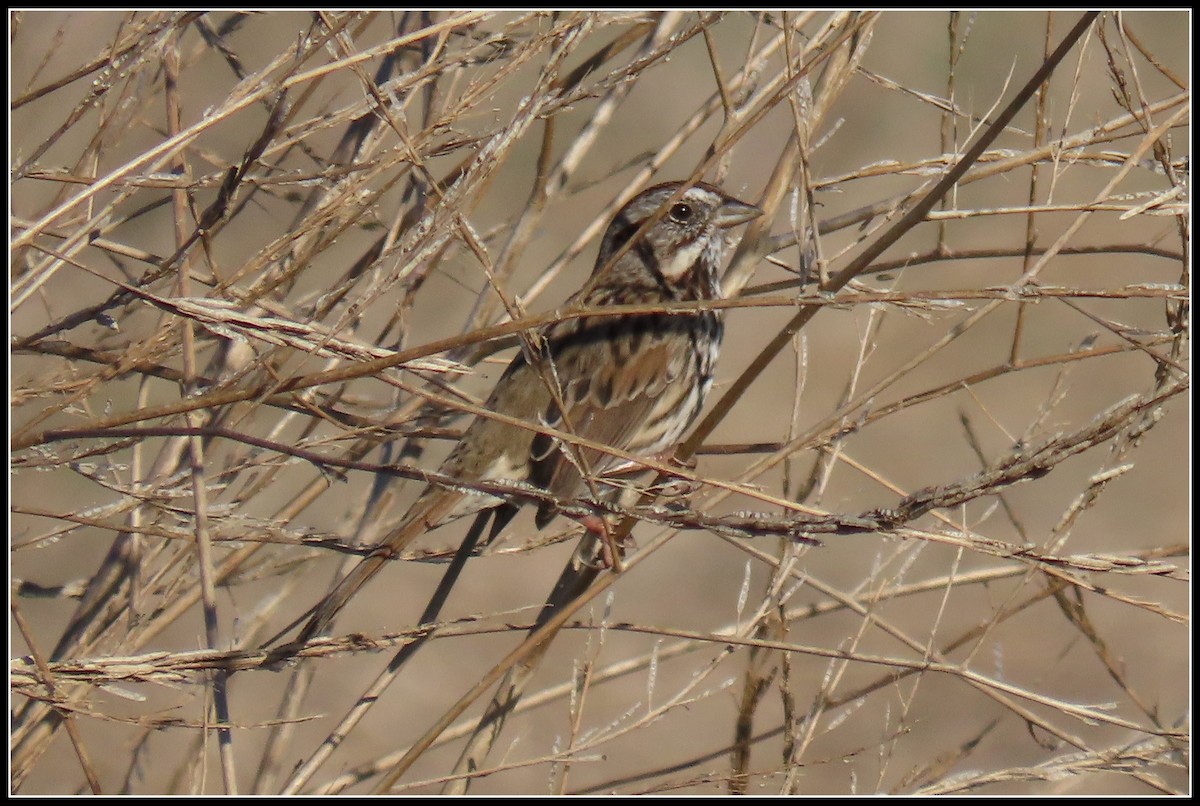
[619, 379]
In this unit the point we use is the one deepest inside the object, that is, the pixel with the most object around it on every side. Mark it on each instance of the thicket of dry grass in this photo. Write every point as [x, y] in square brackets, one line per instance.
[261, 262]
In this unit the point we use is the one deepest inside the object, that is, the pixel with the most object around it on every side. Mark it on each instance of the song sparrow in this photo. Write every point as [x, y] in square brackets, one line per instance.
[633, 382]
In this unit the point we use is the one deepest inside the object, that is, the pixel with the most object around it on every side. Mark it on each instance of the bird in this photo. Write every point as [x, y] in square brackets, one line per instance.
[634, 382]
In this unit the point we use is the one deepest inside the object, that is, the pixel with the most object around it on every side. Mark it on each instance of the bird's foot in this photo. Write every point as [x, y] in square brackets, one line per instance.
[612, 550]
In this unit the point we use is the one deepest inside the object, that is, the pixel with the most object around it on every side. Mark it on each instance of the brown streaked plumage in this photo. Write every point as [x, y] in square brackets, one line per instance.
[633, 382]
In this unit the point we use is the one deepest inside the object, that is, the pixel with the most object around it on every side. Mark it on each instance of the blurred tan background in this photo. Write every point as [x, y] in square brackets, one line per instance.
[931, 731]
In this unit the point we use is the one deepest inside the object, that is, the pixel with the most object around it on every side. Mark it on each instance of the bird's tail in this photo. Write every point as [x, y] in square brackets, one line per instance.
[428, 509]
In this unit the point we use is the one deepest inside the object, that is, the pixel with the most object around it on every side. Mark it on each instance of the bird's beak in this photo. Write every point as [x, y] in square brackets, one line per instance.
[733, 212]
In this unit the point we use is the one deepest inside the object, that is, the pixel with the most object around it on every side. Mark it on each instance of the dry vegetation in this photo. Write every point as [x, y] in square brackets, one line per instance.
[262, 263]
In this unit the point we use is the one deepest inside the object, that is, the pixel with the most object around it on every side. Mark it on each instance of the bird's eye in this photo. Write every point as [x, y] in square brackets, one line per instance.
[681, 213]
